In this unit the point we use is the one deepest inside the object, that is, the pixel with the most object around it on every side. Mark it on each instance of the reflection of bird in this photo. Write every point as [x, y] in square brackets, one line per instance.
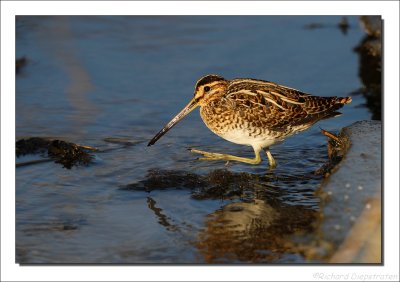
[242, 217]
[253, 112]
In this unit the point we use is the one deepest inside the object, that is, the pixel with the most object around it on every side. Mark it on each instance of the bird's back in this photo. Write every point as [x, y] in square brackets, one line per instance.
[261, 108]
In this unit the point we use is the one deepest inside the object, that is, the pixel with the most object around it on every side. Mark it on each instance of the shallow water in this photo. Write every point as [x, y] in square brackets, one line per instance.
[89, 79]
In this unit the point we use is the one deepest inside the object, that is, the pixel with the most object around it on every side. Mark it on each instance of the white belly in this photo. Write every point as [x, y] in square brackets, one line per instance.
[242, 137]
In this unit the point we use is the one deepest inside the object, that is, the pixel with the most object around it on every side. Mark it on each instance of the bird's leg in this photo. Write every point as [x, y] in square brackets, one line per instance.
[217, 156]
[272, 162]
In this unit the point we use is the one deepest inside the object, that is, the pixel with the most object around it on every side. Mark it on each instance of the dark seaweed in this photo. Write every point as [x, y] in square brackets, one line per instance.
[66, 153]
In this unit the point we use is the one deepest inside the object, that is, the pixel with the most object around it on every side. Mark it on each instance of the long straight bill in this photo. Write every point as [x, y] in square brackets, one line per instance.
[189, 107]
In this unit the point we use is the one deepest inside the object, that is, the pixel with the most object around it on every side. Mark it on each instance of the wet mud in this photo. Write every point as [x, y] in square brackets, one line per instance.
[369, 51]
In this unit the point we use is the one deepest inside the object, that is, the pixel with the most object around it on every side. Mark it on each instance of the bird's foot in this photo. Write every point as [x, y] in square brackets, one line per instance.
[207, 156]
[271, 160]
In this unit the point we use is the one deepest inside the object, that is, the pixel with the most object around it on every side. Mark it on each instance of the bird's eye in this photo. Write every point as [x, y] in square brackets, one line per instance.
[206, 88]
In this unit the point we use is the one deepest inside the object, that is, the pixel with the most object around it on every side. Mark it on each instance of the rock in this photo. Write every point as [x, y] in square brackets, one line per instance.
[352, 210]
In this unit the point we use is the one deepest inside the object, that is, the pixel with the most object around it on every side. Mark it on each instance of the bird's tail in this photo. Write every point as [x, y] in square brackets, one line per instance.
[340, 102]
[344, 100]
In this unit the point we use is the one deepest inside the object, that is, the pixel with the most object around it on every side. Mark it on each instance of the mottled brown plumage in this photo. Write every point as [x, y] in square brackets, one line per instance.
[254, 112]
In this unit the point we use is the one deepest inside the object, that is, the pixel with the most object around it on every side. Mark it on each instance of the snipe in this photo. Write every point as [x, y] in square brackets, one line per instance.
[253, 112]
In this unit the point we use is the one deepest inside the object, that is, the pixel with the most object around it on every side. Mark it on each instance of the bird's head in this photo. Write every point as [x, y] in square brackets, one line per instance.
[207, 88]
